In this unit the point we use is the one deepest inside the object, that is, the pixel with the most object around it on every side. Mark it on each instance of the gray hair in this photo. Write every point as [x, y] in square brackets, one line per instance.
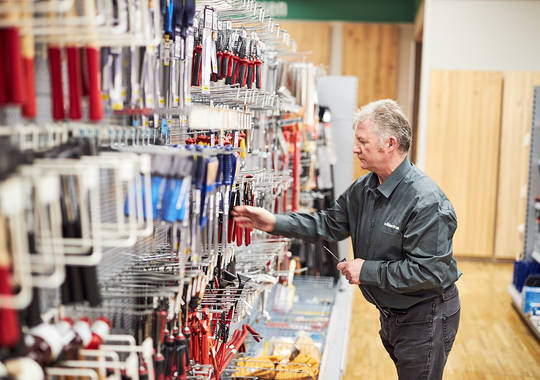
[388, 120]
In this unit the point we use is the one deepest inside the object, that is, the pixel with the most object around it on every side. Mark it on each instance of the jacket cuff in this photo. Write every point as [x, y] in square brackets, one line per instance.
[369, 275]
[282, 225]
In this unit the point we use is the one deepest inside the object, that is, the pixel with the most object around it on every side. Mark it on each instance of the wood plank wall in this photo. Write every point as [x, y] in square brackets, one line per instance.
[463, 151]
[311, 37]
[514, 161]
[370, 52]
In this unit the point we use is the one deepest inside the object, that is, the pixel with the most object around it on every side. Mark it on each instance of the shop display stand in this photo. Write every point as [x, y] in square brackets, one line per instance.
[531, 225]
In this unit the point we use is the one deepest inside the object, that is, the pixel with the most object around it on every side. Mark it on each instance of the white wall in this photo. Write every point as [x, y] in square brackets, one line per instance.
[498, 35]
[405, 68]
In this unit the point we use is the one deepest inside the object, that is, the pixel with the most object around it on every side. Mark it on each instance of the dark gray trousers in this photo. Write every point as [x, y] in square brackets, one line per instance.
[420, 338]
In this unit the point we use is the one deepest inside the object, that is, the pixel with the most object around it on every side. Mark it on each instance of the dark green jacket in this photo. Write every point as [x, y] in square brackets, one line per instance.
[403, 228]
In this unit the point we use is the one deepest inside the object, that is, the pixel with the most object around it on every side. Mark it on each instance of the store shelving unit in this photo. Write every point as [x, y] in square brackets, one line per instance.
[531, 224]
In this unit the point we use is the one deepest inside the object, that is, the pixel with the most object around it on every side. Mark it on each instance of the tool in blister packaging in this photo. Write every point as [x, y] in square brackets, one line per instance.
[161, 167]
[198, 172]
[187, 33]
[220, 47]
[233, 44]
[257, 64]
[135, 68]
[115, 87]
[177, 52]
[175, 190]
[223, 49]
[148, 78]
[208, 54]
[196, 69]
[167, 10]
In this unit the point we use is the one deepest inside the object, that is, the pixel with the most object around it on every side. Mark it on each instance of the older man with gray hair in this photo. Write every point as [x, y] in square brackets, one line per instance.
[401, 225]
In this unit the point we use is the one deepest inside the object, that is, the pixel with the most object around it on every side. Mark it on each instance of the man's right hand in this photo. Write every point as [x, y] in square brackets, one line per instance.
[254, 217]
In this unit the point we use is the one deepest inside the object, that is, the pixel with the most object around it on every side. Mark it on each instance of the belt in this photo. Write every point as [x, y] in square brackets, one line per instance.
[440, 297]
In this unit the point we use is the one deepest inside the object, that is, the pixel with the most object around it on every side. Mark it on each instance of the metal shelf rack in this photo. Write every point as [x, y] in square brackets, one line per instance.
[531, 224]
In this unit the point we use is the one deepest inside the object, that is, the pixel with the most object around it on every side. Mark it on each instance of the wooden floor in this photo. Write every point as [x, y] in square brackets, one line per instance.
[492, 342]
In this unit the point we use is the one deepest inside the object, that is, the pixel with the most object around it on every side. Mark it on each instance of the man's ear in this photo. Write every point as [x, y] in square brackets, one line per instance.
[392, 143]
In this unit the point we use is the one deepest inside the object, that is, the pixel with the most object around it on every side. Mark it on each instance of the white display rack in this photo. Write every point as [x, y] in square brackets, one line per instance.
[531, 224]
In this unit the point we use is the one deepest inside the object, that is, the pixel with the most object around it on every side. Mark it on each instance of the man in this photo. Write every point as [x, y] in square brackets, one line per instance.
[401, 225]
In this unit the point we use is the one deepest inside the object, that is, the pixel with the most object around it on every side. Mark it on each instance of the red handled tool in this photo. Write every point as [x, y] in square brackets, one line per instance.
[95, 107]
[75, 88]
[9, 322]
[57, 91]
[28, 52]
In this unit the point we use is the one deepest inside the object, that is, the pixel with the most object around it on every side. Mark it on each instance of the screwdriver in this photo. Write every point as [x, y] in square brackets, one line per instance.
[333, 255]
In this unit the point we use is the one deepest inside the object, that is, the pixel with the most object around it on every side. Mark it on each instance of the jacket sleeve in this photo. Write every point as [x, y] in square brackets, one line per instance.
[427, 253]
[331, 224]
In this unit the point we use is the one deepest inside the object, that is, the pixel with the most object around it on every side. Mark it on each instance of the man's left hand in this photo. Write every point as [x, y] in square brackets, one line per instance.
[351, 270]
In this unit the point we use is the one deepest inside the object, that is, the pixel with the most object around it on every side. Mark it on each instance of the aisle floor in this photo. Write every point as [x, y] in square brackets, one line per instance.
[492, 342]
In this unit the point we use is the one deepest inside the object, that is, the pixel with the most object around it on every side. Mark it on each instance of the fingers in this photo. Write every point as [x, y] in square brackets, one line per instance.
[346, 269]
[239, 210]
[244, 222]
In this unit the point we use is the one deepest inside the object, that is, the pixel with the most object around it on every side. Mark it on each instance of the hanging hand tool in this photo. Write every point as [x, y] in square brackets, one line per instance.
[196, 69]
[74, 75]
[187, 33]
[28, 52]
[13, 76]
[95, 107]
[226, 188]
[207, 199]
[234, 42]
[159, 359]
[165, 54]
[208, 55]
[9, 323]
[248, 200]
[333, 255]
[180, 350]
[258, 65]
[220, 40]
[57, 88]
[242, 61]
[115, 81]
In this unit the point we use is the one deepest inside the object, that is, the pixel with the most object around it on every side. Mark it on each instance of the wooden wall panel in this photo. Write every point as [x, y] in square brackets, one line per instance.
[514, 161]
[462, 150]
[370, 52]
[311, 37]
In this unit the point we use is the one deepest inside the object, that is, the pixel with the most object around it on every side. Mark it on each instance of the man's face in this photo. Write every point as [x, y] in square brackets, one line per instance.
[367, 147]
